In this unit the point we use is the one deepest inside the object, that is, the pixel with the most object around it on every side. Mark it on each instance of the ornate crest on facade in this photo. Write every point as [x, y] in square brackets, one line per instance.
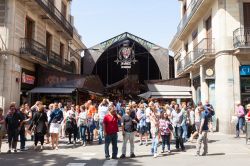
[126, 56]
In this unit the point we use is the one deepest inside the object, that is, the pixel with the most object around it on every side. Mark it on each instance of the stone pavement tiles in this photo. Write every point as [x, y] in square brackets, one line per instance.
[224, 150]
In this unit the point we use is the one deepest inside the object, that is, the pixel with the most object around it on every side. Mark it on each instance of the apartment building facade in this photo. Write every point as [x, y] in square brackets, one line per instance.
[35, 33]
[212, 47]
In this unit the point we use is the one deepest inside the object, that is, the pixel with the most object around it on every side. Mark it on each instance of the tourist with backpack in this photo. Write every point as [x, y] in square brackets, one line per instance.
[205, 116]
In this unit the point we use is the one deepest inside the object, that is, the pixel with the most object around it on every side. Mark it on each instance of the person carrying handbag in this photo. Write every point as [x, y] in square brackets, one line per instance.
[39, 126]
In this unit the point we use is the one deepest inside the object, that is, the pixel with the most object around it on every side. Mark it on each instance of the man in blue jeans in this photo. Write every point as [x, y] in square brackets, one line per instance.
[102, 111]
[110, 126]
[22, 128]
[177, 120]
[240, 113]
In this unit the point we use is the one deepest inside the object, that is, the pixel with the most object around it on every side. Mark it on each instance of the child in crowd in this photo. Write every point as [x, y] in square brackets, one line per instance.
[165, 128]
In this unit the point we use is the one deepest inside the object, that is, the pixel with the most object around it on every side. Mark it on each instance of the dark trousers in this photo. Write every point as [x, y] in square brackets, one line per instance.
[111, 138]
[39, 137]
[149, 128]
[12, 138]
[22, 138]
[165, 141]
[83, 133]
[178, 136]
[74, 132]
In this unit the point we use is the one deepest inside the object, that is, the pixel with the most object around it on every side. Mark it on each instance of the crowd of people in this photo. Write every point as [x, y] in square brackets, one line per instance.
[156, 121]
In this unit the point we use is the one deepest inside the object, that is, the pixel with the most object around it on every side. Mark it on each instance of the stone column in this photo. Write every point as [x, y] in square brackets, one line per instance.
[204, 86]
[224, 92]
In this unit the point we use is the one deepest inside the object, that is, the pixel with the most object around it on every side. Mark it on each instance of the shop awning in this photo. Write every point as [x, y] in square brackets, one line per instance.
[166, 95]
[167, 92]
[52, 90]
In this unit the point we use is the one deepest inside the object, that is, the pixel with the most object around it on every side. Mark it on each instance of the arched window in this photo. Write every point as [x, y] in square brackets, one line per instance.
[73, 66]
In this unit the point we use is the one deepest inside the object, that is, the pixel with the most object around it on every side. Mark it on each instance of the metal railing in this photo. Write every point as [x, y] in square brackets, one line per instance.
[180, 66]
[67, 65]
[205, 46]
[56, 14]
[30, 47]
[241, 37]
[55, 59]
[193, 6]
[188, 60]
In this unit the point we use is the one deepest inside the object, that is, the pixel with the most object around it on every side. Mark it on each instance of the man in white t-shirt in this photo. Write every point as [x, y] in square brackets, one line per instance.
[102, 111]
[148, 112]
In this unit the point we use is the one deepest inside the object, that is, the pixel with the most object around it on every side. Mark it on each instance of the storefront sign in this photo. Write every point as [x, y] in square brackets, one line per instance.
[28, 79]
[245, 70]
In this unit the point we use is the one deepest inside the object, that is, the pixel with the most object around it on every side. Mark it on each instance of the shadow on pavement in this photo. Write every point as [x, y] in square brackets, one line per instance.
[38, 158]
[216, 154]
[212, 141]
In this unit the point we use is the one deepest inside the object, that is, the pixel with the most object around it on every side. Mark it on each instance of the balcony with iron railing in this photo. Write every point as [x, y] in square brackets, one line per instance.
[67, 65]
[31, 48]
[241, 37]
[205, 47]
[192, 8]
[50, 8]
[180, 66]
[188, 60]
[203, 50]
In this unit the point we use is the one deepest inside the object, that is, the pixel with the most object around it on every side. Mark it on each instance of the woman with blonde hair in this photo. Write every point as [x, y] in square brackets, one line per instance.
[168, 110]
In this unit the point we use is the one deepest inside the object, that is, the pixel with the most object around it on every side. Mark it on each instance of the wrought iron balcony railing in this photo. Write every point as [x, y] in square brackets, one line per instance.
[205, 46]
[180, 66]
[30, 46]
[193, 6]
[56, 15]
[33, 48]
[241, 37]
[67, 65]
[188, 60]
[55, 59]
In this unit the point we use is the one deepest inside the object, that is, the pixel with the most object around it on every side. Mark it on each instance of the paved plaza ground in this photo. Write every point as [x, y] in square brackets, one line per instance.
[224, 150]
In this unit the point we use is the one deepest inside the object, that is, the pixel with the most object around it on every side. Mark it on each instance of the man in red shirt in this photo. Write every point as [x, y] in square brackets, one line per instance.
[248, 113]
[110, 126]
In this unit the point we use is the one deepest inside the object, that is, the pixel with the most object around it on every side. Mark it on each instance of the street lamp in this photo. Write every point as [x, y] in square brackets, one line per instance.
[84, 49]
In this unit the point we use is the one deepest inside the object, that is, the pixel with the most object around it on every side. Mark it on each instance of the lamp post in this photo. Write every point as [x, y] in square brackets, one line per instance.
[82, 55]
[84, 49]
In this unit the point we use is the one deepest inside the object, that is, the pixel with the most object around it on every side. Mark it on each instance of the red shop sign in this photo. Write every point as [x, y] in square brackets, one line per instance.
[28, 79]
